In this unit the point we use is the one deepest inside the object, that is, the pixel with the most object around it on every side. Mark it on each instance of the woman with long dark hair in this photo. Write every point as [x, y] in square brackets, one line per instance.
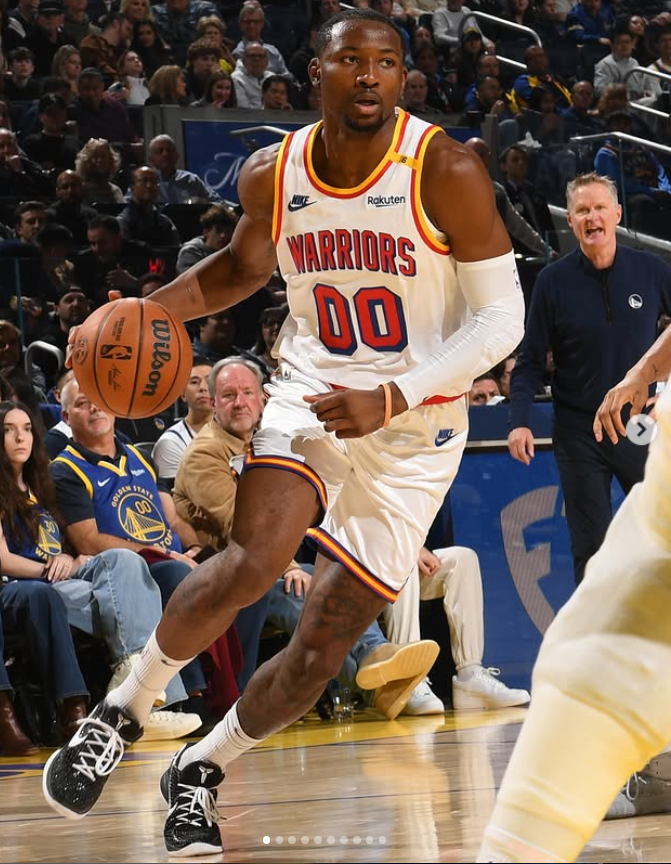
[32, 558]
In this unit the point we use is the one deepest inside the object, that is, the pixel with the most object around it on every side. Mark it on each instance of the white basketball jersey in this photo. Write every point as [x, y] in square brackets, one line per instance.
[371, 284]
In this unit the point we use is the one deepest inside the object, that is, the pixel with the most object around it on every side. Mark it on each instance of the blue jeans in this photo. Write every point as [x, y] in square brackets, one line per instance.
[38, 611]
[284, 611]
[249, 623]
[114, 597]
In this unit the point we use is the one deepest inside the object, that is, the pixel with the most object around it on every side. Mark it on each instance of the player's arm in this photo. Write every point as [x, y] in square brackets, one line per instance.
[634, 389]
[246, 264]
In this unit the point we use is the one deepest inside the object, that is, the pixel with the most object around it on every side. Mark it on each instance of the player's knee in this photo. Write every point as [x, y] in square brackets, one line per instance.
[239, 577]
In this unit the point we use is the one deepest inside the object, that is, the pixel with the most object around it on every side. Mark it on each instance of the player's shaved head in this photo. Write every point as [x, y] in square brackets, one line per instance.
[354, 16]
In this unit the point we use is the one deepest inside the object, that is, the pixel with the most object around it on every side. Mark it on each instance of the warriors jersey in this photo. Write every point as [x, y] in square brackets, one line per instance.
[47, 544]
[125, 497]
[372, 287]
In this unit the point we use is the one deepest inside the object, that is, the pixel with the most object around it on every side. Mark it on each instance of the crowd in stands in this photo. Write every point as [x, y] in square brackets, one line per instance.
[89, 206]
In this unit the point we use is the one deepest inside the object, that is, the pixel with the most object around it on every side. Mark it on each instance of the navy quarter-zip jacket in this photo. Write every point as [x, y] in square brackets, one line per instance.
[597, 323]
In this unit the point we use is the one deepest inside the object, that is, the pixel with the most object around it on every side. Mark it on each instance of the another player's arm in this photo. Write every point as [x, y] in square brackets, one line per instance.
[634, 389]
[245, 265]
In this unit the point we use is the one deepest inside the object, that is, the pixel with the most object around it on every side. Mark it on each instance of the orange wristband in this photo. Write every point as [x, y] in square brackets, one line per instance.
[387, 404]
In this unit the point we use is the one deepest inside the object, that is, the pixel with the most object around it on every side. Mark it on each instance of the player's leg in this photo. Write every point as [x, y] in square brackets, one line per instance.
[601, 686]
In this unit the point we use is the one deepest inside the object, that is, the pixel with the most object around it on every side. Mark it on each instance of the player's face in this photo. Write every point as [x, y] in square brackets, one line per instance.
[362, 75]
[238, 401]
[196, 393]
[18, 438]
[594, 216]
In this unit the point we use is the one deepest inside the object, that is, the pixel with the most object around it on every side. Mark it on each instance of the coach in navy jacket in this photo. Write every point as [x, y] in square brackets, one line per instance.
[597, 310]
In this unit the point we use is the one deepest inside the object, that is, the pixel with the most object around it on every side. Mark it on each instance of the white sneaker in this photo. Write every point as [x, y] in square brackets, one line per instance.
[168, 725]
[122, 670]
[423, 701]
[483, 690]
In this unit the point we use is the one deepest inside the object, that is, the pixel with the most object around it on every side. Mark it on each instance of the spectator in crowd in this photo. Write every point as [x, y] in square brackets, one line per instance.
[97, 163]
[275, 93]
[77, 24]
[69, 209]
[299, 60]
[22, 21]
[662, 64]
[219, 92]
[216, 337]
[550, 24]
[21, 256]
[71, 310]
[111, 262]
[615, 68]
[140, 219]
[503, 373]
[11, 361]
[177, 22]
[19, 85]
[415, 96]
[538, 75]
[67, 64]
[19, 177]
[465, 59]
[130, 73]
[217, 223]
[5, 116]
[97, 116]
[167, 87]
[449, 22]
[487, 66]
[614, 98]
[484, 390]
[591, 22]
[51, 147]
[523, 196]
[56, 248]
[136, 10]
[47, 36]
[250, 74]
[440, 93]
[212, 29]
[202, 60]
[176, 185]
[170, 447]
[636, 26]
[149, 283]
[98, 517]
[149, 46]
[578, 119]
[252, 20]
[269, 327]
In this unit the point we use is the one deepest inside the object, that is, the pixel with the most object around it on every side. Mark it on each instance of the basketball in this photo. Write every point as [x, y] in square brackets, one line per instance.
[132, 357]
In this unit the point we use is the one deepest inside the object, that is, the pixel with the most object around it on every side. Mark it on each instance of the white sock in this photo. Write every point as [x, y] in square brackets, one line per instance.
[147, 680]
[466, 672]
[225, 743]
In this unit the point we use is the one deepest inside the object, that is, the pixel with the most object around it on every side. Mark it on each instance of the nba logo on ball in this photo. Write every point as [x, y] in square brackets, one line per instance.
[140, 376]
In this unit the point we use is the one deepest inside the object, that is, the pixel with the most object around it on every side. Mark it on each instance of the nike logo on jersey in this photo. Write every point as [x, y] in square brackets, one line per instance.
[103, 482]
[298, 202]
[444, 436]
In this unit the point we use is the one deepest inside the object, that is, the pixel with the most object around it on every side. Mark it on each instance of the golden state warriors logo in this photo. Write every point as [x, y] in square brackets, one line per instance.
[140, 519]
[48, 538]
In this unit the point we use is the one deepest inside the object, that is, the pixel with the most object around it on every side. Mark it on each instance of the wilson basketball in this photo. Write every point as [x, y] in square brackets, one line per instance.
[132, 358]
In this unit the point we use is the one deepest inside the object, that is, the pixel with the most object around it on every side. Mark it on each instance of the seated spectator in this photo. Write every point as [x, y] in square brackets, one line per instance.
[176, 185]
[19, 85]
[615, 68]
[514, 163]
[591, 22]
[579, 119]
[217, 223]
[12, 366]
[96, 163]
[219, 92]
[149, 283]
[170, 447]
[503, 372]
[5, 116]
[149, 46]
[415, 96]
[130, 72]
[300, 59]
[111, 262]
[538, 75]
[636, 26]
[275, 93]
[103, 50]
[20, 23]
[68, 64]
[252, 20]
[98, 116]
[47, 36]
[202, 60]
[269, 327]
[110, 595]
[440, 94]
[167, 87]
[177, 22]
[141, 219]
[250, 74]
[614, 98]
[449, 22]
[69, 209]
[20, 178]
[216, 338]
[22, 254]
[212, 29]
[465, 59]
[550, 24]
[51, 147]
[136, 10]
[658, 86]
[489, 98]
[77, 25]
[484, 390]
[71, 311]
[542, 121]
[56, 247]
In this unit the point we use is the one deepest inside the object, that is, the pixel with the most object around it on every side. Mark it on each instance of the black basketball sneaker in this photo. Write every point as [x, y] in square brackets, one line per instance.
[191, 792]
[75, 775]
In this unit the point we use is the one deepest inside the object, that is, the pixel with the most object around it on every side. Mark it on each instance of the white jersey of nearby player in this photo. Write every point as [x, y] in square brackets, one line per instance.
[372, 287]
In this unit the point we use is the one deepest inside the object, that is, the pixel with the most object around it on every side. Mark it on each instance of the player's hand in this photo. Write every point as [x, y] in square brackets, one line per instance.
[354, 413]
[59, 568]
[521, 444]
[299, 579]
[72, 335]
[428, 563]
[634, 390]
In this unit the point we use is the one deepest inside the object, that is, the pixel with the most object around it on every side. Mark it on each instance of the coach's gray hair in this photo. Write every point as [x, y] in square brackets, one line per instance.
[235, 360]
[586, 180]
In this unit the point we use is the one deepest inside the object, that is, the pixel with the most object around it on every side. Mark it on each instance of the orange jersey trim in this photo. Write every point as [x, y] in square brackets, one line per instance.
[280, 167]
[350, 562]
[421, 221]
[293, 465]
[385, 163]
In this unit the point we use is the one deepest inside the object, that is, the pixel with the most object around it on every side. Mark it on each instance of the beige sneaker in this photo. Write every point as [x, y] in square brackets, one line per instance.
[168, 725]
[122, 670]
[394, 671]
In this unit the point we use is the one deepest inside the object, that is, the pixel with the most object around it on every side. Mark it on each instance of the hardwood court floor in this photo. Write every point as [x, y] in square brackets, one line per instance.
[416, 789]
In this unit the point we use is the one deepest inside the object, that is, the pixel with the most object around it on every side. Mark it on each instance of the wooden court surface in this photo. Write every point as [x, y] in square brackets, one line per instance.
[416, 789]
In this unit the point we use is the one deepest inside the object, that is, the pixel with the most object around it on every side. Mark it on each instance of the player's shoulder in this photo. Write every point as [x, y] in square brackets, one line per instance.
[451, 158]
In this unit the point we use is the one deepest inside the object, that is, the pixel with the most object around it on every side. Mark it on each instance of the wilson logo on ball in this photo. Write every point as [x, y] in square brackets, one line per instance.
[160, 354]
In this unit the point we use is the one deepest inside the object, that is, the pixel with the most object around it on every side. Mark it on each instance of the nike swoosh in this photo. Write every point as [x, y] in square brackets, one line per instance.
[442, 439]
[102, 482]
[294, 207]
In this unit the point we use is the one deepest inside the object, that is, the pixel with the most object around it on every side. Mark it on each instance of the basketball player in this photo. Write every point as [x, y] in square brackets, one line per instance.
[602, 681]
[402, 288]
